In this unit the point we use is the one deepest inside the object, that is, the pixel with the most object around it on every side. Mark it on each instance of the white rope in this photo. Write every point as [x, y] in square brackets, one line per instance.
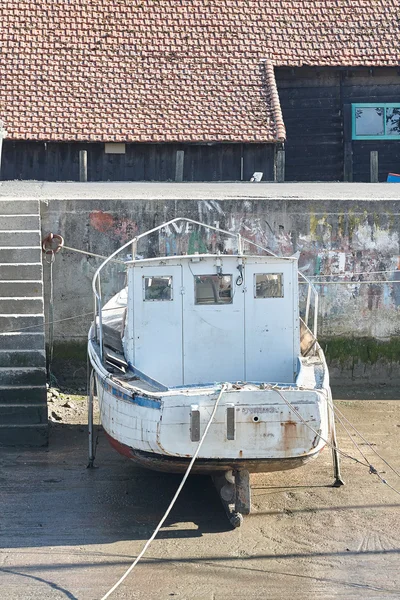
[341, 416]
[367, 464]
[351, 274]
[61, 320]
[178, 491]
[91, 254]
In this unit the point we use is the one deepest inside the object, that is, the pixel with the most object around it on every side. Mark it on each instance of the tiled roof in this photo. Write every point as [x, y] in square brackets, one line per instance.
[173, 70]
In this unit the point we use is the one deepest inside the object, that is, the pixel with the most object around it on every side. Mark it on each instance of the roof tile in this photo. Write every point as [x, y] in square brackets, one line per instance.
[174, 70]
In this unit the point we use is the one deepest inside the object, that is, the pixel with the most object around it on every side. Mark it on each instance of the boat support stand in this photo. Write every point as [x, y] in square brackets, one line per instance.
[336, 460]
[234, 490]
[334, 446]
[90, 421]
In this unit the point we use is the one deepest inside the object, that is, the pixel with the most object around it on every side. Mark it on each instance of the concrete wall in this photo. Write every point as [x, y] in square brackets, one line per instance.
[358, 238]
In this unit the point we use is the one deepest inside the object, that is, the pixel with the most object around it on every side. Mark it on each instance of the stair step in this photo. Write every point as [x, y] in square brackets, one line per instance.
[22, 341]
[19, 323]
[21, 289]
[22, 358]
[20, 222]
[20, 271]
[23, 414]
[22, 376]
[23, 394]
[28, 254]
[30, 237]
[21, 306]
[18, 207]
[24, 435]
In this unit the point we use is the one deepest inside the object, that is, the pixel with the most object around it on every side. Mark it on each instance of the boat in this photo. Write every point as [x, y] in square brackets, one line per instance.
[211, 349]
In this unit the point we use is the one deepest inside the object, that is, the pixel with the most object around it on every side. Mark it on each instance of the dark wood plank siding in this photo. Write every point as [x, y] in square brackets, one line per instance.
[311, 107]
[388, 159]
[141, 162]
[376, 85]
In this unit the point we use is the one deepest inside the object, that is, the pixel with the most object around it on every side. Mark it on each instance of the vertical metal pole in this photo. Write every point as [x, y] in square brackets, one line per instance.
[335, 454]
[90, 420]
[374, 166]
[95, 317]
[307, 315]
[240, 245]
[99, 307]
[315, 329]
[180, 157]
[83, 165]
[134, 249]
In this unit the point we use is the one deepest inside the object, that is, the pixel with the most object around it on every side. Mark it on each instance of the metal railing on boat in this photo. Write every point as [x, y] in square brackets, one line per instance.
[96, 283]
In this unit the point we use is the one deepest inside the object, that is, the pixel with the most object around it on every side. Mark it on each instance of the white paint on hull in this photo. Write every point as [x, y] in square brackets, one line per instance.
[265, 426]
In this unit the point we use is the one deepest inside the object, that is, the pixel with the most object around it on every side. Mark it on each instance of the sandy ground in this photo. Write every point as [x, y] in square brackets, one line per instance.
[70, 532]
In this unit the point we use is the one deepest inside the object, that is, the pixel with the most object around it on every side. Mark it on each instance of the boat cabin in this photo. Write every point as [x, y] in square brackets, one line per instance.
[199, 319]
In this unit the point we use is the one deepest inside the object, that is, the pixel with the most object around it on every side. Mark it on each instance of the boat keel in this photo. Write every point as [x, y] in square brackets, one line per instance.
[235, 493]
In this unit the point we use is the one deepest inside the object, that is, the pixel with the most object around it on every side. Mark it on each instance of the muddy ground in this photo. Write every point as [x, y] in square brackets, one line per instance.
[70, 532]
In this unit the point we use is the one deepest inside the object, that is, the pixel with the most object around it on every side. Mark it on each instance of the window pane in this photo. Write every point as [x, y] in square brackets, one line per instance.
[369, 121]
[393, 121]
[268, 285]
[213, 289]
[157, 288]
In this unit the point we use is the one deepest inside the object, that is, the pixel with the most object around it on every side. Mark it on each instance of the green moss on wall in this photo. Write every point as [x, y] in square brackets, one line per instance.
[361, 350]
[70, 350]
[364, 350]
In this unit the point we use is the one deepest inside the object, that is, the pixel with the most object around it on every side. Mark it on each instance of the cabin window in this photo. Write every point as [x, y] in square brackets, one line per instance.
[268, 285]
[213, 289]
[157, 288]
[376, 121]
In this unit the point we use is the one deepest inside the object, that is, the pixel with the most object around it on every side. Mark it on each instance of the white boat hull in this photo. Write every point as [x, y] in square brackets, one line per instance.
[155, 429]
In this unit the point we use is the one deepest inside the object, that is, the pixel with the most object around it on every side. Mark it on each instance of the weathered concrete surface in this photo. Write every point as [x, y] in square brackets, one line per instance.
[197, 191]
[69, 532]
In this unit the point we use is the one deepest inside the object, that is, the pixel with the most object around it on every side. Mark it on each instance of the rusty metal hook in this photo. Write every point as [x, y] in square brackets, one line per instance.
[48, 243]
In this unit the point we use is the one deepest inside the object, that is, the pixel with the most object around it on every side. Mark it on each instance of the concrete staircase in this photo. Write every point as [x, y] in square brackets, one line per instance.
[23, 403]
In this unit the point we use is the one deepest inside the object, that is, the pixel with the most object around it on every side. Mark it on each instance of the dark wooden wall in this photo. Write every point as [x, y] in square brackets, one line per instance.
[142, 162]
[316, 105]
[310, 103]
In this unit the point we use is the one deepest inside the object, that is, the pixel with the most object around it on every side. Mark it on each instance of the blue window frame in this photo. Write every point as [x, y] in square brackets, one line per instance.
[377, 121]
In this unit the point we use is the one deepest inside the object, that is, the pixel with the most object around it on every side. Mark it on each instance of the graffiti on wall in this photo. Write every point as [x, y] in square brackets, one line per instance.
[353, 258]
[122, 229]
